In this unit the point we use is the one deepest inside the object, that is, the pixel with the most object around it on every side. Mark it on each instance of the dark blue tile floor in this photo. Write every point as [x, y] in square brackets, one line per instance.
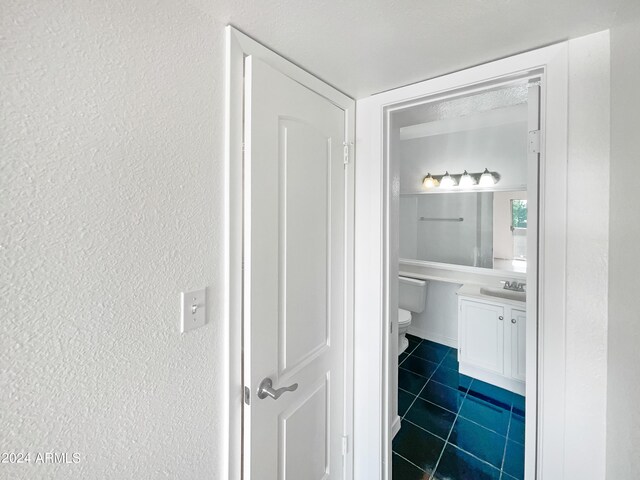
[454, 427]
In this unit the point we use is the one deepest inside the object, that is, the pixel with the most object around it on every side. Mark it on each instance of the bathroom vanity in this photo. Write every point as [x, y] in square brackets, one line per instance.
[492, 336]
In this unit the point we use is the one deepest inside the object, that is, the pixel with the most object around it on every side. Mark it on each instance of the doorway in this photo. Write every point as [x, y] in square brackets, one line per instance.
[379, 184]
[466, 167]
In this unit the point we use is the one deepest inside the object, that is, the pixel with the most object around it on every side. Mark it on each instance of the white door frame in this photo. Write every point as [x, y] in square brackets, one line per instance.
[238, 47]
[376, 261]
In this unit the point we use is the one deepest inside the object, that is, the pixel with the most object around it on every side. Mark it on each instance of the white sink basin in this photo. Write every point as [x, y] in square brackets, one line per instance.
[502, 293]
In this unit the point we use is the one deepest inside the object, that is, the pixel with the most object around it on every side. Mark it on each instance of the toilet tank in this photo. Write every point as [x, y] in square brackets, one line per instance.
[412, 294]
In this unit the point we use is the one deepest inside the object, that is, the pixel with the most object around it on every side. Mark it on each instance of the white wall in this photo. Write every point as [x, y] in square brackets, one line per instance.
[623, 393]
[587, 257]
[112, 201]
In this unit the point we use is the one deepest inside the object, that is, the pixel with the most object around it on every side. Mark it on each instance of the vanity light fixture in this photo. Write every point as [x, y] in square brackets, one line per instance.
[487, 179]
[430, 182]
[466, 180]
[447, 181]
[463, 180]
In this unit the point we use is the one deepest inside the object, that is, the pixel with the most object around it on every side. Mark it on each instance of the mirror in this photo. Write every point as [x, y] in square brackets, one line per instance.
[463, 179]
[476, 229]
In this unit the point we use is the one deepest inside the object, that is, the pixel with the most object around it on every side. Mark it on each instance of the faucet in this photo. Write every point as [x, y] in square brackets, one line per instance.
[514, 286]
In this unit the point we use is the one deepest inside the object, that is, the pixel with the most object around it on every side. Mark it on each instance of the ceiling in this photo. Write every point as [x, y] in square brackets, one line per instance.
[367, 46]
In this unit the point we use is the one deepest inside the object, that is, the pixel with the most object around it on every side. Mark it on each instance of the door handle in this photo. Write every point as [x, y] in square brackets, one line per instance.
[265, 389]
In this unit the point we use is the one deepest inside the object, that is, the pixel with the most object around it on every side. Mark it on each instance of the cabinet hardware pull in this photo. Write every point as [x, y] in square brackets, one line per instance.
[500, 317]
[513, 320]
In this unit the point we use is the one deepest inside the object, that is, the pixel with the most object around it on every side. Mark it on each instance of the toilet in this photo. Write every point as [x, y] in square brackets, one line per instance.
[412, 298]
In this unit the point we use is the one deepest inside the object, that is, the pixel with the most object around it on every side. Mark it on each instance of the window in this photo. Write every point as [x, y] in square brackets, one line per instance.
[518, 214]
[519, 228]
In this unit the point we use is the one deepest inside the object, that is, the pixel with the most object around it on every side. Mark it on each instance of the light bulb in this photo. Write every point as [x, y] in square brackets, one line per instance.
[447, 181]
[429, 181]
[487, 179]
[466, 180]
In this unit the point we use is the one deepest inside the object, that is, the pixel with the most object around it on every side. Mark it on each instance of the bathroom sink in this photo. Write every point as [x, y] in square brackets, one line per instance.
[502, 293]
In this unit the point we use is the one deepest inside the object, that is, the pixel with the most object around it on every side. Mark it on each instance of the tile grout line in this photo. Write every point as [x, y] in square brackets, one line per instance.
[446, 442]
[504, 452]
[407, 460]
[418, 396]
[435, 469]
[424, 386]
[475, 457]
[425, 430]
[484, 426]
[411, 371]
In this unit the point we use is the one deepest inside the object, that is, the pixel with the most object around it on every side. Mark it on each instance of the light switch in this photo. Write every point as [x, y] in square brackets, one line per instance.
[194, 309]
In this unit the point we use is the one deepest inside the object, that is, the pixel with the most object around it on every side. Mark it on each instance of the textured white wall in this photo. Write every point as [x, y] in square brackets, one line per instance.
[623, 393]
[587, 257]
[111, 205]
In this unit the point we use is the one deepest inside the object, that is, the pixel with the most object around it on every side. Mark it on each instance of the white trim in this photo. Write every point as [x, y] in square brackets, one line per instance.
[240, 45]
[395, 428]
[375, 263]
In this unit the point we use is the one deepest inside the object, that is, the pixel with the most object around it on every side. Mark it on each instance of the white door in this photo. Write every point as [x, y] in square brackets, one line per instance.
[518, 344]
[293, 278]
[482, 335]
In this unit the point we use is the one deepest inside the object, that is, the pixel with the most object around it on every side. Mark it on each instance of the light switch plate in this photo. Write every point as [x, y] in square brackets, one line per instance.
[194, 309]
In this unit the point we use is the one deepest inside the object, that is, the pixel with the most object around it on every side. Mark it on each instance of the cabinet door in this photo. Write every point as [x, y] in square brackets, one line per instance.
[482, 335]
[518, 344]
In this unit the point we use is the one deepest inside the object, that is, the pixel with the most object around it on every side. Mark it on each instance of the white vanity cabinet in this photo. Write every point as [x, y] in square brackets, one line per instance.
[492, 339]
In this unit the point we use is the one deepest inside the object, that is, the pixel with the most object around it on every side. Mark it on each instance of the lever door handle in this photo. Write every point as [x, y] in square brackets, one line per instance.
[265, 389]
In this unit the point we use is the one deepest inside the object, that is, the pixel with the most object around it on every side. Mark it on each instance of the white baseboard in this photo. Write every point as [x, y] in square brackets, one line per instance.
[434, 337]
[515, 386]
[395, 427]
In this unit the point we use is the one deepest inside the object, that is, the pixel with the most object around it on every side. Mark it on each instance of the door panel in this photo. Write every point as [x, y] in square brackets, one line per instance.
[303, 433]
[305, 264]
[482, 336]
[294, 272]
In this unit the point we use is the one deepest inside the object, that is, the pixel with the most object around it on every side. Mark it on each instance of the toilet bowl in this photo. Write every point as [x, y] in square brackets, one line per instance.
[404, 321]
[412, 298]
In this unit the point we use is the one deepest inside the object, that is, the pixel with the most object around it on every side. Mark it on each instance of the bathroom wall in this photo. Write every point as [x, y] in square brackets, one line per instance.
[439, 321]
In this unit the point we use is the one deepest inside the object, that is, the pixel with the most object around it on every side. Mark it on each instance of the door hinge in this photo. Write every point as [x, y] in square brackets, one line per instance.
[345, 445]
[534, 141]
[247, 395]
[345, 150]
